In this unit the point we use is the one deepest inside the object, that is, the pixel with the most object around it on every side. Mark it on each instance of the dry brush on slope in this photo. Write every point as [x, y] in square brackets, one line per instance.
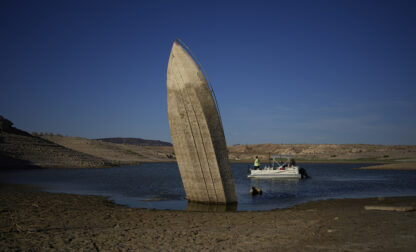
[20, 149]
[122, 154]
[382, 153]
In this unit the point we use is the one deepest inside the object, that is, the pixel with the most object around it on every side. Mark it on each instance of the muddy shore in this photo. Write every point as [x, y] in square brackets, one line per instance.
[39, 221]
[395, 166]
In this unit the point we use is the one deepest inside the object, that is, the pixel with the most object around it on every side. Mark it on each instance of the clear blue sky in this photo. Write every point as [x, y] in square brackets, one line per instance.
[283, 71]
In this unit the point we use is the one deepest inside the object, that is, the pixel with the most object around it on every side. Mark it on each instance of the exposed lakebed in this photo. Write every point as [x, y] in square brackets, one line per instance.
[159, 185]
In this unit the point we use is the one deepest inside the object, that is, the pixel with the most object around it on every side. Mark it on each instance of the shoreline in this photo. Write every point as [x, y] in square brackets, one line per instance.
[403, 166]
[19, 148]
[375, 165]
[325, 161]
[33, 166]
[191, 206]
[31, 219]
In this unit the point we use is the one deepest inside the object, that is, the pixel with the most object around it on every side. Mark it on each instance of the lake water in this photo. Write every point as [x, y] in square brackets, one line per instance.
[159, 185]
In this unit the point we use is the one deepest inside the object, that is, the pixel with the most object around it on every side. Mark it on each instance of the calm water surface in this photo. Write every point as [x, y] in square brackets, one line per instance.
[159, 185]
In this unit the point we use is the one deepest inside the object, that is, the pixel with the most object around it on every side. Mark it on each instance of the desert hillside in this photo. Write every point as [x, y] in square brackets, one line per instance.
[335, 152]
[112, 152]
[128, 153]
[134, 141]
[20, 149]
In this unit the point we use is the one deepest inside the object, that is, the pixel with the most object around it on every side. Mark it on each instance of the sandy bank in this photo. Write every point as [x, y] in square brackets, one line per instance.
[395, 166]
[46, 221]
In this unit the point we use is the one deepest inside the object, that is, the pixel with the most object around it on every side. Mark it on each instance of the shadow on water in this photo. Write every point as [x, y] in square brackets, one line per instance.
[275, 185]
[201, 207]
[10, 163]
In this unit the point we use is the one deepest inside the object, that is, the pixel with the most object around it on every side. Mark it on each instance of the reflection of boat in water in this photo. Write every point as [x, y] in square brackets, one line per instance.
[276, 187]
[279, 169]
[202, 207]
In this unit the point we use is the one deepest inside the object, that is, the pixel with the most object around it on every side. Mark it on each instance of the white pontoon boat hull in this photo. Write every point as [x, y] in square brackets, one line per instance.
[291, 172]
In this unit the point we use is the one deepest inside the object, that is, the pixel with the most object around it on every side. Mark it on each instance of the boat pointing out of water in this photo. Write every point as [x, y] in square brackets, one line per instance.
[196, 129]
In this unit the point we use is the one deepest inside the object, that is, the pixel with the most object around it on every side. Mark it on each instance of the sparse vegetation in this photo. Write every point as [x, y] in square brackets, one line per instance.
[324, 152]
[125, 154]
[132, 153]
[120, 154]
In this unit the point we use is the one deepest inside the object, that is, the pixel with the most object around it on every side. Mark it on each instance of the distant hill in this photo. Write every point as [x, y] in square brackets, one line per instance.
[134, 141]
[20, 149]
[124, 154]
[380, 153]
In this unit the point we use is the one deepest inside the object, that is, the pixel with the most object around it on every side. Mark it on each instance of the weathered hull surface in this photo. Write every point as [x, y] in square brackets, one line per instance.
[197, 134]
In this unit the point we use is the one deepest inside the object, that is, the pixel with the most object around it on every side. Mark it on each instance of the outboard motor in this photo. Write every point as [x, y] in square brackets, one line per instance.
[303, 173]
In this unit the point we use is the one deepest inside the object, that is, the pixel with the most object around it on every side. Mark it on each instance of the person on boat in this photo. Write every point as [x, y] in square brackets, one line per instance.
[256, 163]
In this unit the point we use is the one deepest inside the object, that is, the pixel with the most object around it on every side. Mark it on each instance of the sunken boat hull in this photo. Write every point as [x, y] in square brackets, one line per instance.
[197, 133]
